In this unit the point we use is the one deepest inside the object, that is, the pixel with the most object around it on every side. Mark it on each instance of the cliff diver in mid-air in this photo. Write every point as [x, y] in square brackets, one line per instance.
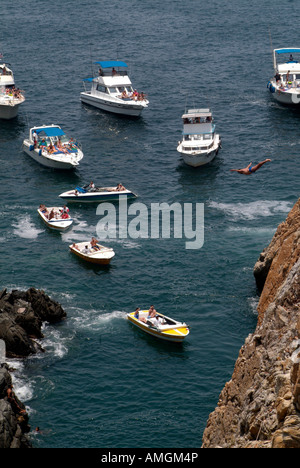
[250, 169]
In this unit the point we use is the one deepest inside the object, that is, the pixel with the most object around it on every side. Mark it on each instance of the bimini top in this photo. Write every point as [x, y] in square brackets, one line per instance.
[287, 51]
[111, 64]
[50, 131]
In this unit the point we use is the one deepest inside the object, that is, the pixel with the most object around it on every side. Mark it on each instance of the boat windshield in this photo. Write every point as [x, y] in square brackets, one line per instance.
[196, 120]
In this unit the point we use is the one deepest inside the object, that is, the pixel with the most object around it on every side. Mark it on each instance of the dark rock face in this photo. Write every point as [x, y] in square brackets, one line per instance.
[21, 317]
[260, 406]
[22, 314]
[13, 418]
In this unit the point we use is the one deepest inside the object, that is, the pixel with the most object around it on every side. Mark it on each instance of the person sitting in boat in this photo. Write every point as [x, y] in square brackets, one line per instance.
[135, 95]
[137, 313]
[86, 250]
[120, 188]
[43, 209]
[60, 147]
[124, 95]
[71, 146]
[152, 312]
[277, 77]
[51, 149]
[114, 72]
[52, 215]
[94, 244]
[75, 246]
[43, 143]
[65, 212]
[91, 187]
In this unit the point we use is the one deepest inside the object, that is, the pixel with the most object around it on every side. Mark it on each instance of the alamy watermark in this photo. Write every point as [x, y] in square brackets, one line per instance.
[161, 220]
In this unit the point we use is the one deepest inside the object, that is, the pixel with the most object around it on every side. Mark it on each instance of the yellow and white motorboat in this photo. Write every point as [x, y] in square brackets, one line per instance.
[161, 326]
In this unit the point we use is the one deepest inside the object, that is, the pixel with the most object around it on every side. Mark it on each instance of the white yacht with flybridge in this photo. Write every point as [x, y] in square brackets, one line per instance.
[112, 90]
[10, 96]
[200, 143]
[285, 85]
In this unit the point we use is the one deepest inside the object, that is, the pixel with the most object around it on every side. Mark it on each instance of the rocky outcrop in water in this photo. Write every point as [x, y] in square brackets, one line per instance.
[260, 406]
[21, 317]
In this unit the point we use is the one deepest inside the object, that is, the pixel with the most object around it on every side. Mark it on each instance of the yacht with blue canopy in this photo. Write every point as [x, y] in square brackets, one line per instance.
[285, 85]
[200, 143]
[112, 90]
[51, 147]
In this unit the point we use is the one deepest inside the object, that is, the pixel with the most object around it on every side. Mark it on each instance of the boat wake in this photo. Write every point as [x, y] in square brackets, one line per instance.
[95, 319]
[25, 228]
[252, 210]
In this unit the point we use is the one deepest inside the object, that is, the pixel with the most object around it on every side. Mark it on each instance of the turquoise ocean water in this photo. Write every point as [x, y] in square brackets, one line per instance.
[102, 383]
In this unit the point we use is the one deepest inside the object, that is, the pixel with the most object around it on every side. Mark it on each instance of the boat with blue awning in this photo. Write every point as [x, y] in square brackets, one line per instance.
[285, 85]
[200, 143]
[51, 147]
[112, 90]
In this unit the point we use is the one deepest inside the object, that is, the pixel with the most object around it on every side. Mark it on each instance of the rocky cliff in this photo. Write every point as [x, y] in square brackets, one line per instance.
[260, 406]
[22, 314]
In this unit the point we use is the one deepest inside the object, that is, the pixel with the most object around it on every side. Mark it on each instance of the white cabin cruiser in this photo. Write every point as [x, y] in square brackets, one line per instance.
[285, 86]
[10, 96]
[50, 146]
[200, 144]
[112, 90]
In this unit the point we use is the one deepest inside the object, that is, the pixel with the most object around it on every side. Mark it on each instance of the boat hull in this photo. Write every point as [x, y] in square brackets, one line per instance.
[176, 335]
[56, 224]
[197, 160]
[8, 112]
[103, 257]
[95, 198]
[47, 162]
[111, 106]
[288, 97]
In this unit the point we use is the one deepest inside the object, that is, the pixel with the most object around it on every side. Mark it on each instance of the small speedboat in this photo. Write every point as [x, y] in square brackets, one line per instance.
[50, 146]
[10, 96]
[200, 143]
[91, 193]
[285, 85]
[161, 326]
[97, 254]
[56, 218]
[112, 90]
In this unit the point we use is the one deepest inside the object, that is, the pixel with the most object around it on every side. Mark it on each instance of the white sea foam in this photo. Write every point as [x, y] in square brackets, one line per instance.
[95, 319]
[252, 210]
[25, 229]
[253, 303]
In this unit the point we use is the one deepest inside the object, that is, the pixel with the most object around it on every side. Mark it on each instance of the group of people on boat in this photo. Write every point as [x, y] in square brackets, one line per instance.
[153, 317]
[134, 95]
[56, 147]
[4, 71]
[92, 247]
[61, 214]
[289, 83]
[197, 120]
[92, 188]
[11, 91]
